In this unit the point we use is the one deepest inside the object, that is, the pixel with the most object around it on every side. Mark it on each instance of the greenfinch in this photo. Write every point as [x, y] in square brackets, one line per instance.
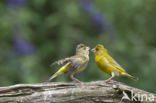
[107, 64]
[73, 64]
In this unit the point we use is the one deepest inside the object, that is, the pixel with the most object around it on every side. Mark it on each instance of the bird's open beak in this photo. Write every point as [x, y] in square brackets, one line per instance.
[93, 50]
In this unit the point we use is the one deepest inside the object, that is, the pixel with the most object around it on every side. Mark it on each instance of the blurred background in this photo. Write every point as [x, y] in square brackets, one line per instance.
[35, 33]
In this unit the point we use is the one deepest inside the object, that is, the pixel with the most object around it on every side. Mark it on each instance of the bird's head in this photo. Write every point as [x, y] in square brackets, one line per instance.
[99, 49]
[82, 49]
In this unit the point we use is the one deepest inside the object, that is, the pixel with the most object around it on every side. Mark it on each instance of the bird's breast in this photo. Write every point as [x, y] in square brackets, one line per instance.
[104, 65]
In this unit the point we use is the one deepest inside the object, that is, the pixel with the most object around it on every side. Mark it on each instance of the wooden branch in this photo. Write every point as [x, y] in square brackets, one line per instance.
[63, 92]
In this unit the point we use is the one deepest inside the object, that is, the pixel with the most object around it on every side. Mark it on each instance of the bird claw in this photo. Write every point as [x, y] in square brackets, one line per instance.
[108, 80]
[76, 81]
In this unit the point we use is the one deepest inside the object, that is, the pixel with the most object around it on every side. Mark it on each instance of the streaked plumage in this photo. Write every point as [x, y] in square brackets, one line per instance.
[73, 64]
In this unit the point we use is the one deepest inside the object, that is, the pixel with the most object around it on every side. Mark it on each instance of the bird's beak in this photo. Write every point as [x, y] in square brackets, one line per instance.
[88, 48]
[93, 50]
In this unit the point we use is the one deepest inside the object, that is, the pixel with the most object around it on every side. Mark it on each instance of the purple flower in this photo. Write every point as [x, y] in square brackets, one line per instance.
[87, 5]
[98, 19]
[100, 22]
[22, 46]
[15, 2]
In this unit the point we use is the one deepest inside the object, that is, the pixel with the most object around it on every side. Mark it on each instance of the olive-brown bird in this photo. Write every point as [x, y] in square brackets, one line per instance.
[107, 64]
[73, 64]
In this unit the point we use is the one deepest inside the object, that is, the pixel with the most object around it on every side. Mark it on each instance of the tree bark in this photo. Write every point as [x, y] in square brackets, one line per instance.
[63, 92]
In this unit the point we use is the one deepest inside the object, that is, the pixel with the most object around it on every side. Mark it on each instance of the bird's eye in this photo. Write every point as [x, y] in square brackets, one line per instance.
[97, 49]
[81, 46]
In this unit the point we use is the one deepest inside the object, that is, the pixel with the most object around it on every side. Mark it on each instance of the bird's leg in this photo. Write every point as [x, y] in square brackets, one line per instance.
[74, 79]
[109, 79]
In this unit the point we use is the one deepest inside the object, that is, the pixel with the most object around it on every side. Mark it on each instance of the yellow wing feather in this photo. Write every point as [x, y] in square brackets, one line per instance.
[60, 71]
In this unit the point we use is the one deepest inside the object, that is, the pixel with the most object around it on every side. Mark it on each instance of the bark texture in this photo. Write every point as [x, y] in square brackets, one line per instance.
[63, 92]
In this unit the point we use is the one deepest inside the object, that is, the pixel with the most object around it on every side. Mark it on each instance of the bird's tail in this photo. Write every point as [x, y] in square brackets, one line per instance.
[129, 76]
[59, 72]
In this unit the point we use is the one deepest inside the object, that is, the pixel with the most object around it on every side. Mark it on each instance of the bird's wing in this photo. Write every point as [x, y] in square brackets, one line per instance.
[62, 61]
[112, 61]
[59, 72]
[76, 64]
[115, 64]
[77, 61]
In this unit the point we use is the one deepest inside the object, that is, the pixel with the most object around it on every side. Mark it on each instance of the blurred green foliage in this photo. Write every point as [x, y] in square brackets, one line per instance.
[50, 30]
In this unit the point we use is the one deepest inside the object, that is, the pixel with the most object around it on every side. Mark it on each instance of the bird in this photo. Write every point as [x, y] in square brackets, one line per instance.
[107, 64]
[74, 64]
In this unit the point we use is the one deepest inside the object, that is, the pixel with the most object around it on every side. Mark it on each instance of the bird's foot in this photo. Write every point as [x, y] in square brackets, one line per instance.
[108, 80]
[76, 81]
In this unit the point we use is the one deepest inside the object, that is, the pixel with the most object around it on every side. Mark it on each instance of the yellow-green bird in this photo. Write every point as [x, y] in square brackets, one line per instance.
[107, 64]
[73, 64]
